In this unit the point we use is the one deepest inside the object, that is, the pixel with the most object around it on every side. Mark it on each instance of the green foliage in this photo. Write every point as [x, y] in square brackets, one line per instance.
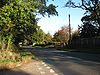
[3, 2]
[75, 35]
[48, 38]
[46, 46]
[10, 59]
[18, 18]
[18, 22]
[39, 37]
[88, 30]
[62, 35]
[7, 61]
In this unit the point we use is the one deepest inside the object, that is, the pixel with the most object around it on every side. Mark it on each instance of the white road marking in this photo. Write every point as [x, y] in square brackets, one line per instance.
[52, 71]
[42, 72]
[39, 68]
[45, 65]
[48, 67]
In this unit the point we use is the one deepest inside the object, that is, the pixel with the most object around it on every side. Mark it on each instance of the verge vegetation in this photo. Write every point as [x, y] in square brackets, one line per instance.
[18, 25]
[11, 59]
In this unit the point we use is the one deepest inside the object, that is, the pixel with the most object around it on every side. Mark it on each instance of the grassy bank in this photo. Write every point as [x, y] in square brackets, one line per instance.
[11, 59]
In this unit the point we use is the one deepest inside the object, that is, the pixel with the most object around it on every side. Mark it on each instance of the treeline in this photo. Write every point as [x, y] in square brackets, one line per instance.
[37, 38]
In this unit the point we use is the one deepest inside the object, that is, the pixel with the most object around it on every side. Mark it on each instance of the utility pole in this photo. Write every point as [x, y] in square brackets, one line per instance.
[69, 30]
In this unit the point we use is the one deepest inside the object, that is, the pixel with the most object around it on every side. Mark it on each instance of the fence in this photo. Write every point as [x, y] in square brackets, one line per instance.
[86, 43]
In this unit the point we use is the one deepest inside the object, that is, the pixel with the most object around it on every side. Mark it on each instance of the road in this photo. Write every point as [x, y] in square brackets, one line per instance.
[69, 63]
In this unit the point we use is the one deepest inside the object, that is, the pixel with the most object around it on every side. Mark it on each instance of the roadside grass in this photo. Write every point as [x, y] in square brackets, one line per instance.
[46, 46]
[82, 50]
[11, 59]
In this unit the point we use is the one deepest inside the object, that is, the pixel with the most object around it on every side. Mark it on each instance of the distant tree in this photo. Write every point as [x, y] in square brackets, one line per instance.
[48, 38]
[92, 8]
[36, 36]
[62, 35]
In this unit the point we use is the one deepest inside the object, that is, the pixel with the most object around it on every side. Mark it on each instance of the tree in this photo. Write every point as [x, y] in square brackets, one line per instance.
[87, 30]
[18, 20]
[62, 35]
[48, 38]
[38, 36]
[92, 8]
[3, 2]
[76, 35]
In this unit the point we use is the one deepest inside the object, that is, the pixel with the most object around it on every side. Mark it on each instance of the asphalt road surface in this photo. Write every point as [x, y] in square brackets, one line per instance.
[69, 63]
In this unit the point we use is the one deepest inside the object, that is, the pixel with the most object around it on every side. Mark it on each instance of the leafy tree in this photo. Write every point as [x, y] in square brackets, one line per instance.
[48, 38]
[38, 36]
[92, 8]
[18, 20]
[57, 36]
[76, 35]
[62, 35]
[88, 30]
[3, 2]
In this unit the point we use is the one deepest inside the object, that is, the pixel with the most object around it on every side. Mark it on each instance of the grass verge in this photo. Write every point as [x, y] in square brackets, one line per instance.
[47, 46]
[11, 59]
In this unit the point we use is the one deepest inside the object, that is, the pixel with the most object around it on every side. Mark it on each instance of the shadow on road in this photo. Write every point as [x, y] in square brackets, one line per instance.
[71, 63]
[83, 56]
[12, 72]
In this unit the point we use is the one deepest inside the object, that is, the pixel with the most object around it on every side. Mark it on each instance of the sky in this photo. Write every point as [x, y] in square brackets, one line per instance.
[54, 23]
